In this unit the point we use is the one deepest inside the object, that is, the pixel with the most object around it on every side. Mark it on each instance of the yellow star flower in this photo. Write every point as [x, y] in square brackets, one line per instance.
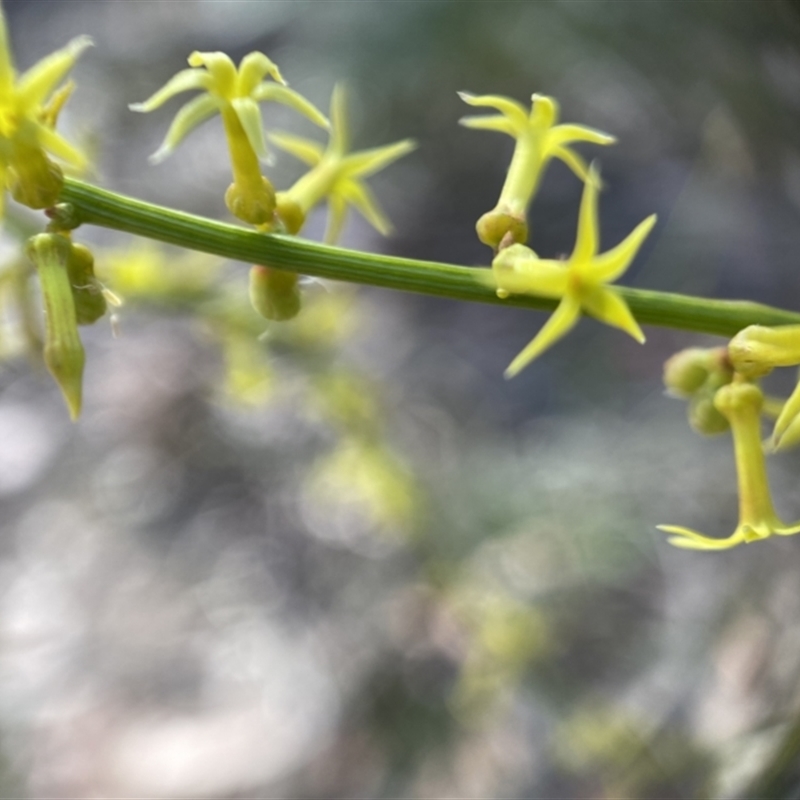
[28, 109]
[234, 94]
[580, 281]
[741, 403]
[539, 139]
[335, 174]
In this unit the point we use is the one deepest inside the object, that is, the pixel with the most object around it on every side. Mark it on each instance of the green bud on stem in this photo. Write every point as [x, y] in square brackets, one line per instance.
[274, 293]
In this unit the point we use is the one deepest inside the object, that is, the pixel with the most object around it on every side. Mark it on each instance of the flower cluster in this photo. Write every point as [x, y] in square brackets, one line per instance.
[581, 282]
[722, 388]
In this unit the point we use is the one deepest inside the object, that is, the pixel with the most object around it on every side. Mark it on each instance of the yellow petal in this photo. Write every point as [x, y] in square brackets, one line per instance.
[249, 115]
[586, 242]
[609, 266]
[184, 81]
[340, 128]
[544, 111]
[514, 111]
[787, 530]
[563, 134]
[37, 82]
[57, 145]
[368, 162]
[7, 72]
[360, 196]
[499, 123]
[252, 70]
[337, 212]
[304, 149]
[191, 115]
[607, 306]
[560, 323]
[692, 540]
[220, 68]
[572, 160]
[788, 414]
[274, 92]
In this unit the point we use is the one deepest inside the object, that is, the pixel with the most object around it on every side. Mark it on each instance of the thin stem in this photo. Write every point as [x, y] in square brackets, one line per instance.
[95, 206]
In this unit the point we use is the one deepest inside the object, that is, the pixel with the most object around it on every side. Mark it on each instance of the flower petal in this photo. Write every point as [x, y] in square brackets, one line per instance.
[337, 212]
[184, 81]
[586, 242]
[609, 266]
[692, 540]
[607, 306]
[574, 161]
[249, 115]
[544, 111]
[514, 111]
[787, 530]
[252, 70]
[221, 70]
[305, 150]
[57, 145]
[37, 82]
[368, 162]
[789, 412]
[560, 323]
[563, 134]
[191, 114]
[283, 94]
[359, 195]
[494, 123]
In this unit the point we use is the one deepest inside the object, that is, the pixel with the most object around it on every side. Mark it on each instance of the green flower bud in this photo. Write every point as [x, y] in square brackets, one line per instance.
[63, 351]
[274, 293]
[704, 417]
[290, 213]
[255, 205]
[87, 291]
[499, 229]
[688, 370]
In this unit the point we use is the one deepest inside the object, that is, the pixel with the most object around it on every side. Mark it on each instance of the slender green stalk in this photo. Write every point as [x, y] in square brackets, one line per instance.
[95, 206]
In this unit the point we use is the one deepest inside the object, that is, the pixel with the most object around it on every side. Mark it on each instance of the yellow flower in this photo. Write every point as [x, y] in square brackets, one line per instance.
[580, 281]
[741, 403]
[539, 139]
[234, 94]
[27, 119]
[335, 174]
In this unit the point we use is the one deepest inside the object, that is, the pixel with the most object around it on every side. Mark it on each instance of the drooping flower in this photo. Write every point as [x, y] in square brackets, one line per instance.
[581, 282]
[741, 403]
[29, 106]
[235, 95]
[335, 174]
[538, 139]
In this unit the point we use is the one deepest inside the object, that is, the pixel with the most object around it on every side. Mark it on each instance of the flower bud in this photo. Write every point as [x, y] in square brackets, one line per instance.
[87, 292]
[757, 350]
[496, 228]
[256, 206]
[687, 371]
[290, 213]
[63, 351]
[274, 293]
[704, 417]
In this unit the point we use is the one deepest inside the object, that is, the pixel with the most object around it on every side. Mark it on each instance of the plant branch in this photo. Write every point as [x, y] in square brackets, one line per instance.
[96, 206]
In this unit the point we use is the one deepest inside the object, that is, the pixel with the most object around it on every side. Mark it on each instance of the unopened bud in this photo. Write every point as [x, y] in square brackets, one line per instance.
[256, 206]
[704, 417]
[290, 213]
[274, 293]
[496, 228]
[87, 291]
[63, 351]
[687, 371]
[757, 350]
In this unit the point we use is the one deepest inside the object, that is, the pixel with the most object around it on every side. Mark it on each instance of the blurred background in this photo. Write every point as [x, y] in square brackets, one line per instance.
[342, 556]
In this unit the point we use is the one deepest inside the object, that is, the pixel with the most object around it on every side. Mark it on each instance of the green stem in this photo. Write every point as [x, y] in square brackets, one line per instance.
[95, 206]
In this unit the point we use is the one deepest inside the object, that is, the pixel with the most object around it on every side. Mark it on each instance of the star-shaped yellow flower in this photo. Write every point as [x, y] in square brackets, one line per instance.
[580, 281]
[741, 403]
[28, 109]
[335, 174]
[539, 139]
[234, 94]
